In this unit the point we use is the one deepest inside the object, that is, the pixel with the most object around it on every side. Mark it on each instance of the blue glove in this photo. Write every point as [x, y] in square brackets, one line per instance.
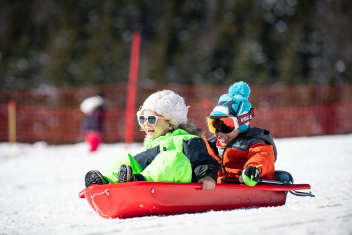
[250, 176]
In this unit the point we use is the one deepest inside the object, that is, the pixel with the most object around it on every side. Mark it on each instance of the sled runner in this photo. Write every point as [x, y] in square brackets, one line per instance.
[125, 200]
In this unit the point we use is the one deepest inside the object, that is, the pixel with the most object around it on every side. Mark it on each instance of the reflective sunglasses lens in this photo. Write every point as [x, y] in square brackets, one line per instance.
[152, 120]
[141, 119]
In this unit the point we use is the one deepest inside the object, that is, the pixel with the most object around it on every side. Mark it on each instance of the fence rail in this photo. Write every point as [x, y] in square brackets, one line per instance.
[53, 115]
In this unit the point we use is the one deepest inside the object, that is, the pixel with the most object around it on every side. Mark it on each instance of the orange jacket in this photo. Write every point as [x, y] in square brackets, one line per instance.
[255, 147]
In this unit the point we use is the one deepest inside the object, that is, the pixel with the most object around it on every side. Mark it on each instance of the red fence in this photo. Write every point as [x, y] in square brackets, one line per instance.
[53, 115]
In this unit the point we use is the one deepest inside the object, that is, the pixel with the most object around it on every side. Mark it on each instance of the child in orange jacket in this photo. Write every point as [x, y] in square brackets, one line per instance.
[245, 154]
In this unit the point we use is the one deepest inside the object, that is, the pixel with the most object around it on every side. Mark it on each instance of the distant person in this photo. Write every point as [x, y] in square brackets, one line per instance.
[92, 123]
[172, 150]
[246, 154]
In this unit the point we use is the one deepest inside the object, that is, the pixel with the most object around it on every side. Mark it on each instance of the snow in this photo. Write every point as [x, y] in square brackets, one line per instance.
[40, 185]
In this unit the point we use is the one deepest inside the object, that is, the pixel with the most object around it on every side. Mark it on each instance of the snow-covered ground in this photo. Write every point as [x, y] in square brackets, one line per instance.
[40, 186]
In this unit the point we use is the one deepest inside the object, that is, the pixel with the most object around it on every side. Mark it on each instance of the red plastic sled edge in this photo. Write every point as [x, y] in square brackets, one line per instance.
[125, 200]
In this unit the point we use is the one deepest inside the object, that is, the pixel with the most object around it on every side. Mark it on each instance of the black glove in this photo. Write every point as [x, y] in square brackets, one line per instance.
[250, 176]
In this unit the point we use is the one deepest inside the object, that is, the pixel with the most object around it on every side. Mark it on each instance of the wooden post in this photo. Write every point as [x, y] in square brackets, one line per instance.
[12, 121]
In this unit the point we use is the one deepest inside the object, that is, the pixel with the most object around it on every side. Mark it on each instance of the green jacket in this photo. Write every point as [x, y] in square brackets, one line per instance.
[162, 160]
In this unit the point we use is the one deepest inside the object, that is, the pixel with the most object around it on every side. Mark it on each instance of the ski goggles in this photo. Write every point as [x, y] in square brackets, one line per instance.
[223, 124]
[228, 124]
[151, 119]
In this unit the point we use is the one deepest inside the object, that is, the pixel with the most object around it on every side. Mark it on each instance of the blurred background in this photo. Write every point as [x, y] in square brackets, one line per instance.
[296, 55]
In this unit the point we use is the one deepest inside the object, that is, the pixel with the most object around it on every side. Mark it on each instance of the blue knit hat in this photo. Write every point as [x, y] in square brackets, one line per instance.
[234, 103]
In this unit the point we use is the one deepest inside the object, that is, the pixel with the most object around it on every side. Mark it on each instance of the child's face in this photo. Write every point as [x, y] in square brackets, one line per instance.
[225, 138]
[158, 129]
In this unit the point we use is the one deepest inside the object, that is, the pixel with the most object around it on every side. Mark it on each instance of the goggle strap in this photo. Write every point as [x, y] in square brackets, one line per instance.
[242, 119]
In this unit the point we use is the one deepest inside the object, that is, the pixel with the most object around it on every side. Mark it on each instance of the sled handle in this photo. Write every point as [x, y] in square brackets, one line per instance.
[294, 192]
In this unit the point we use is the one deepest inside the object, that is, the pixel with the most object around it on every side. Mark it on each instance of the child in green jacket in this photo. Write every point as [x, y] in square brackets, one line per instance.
[172, 153]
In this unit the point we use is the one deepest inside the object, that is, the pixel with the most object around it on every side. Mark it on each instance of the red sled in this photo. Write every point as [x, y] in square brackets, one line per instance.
[132, 199]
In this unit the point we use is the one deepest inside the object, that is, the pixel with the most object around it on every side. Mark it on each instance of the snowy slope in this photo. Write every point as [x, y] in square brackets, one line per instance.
[40, 186]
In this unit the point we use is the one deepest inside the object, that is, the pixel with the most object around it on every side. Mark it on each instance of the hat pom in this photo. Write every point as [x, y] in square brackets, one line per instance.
[239, 90]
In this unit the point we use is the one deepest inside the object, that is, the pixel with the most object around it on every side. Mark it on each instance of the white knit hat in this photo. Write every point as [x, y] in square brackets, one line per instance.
[168, 104]
[90, 104]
